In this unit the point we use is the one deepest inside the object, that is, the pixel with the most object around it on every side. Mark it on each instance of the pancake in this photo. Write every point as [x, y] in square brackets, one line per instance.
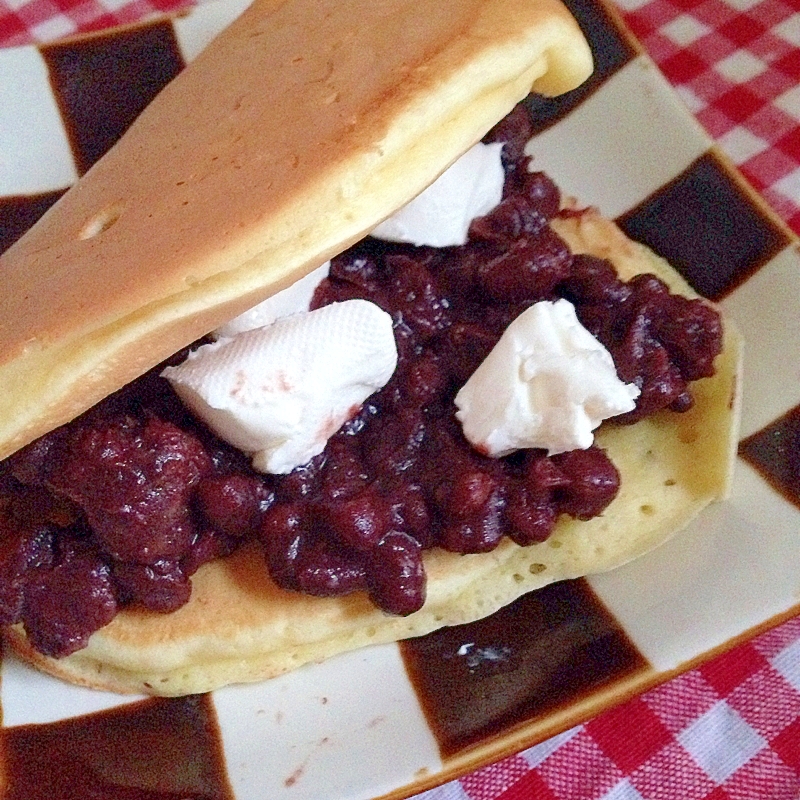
[287, 140]
[239, 626]
[293, 134]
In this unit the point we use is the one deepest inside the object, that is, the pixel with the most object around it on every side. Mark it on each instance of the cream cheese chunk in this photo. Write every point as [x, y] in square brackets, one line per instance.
[280, 392]
[291, 300]
[547, 383]
[441, 215]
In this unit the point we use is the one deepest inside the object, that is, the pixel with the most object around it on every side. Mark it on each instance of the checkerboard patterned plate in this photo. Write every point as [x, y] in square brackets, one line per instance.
[357, 726]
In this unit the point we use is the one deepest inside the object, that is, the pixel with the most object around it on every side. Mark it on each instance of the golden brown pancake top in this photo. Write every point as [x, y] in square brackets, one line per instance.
[293, 134]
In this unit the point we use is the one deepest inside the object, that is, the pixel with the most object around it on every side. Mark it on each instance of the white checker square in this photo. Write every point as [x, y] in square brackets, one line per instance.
[685, 29]
[737, 564]
[30, 697]
[721, 742]
[789, 102]
[741, 145]
[331, 743]
[789, 29]
[787, 662]
[623, 791]
[194, 31]
[767, 393]
[619, 129]
[35, 155]
[740, 67]
[56, 27]
[540, 752]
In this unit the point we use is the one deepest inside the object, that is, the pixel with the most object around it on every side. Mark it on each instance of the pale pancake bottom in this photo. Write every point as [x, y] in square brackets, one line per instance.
[239, 626]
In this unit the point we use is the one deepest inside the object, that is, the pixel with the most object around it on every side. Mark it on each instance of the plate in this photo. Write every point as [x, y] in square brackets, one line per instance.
[395, 720]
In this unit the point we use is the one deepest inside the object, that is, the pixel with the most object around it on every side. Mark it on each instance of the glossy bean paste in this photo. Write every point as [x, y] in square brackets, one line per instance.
[123, 504]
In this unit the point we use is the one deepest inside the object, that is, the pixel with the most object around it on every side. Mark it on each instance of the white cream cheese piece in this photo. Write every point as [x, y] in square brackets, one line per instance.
[548, 383]
[280, 392]
[291, 300]
[440, 216]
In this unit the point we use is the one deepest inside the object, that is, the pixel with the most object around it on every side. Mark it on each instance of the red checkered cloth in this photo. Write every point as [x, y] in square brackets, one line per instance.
[36, 21]
[730, 728]
[727, 730]
[736, 65]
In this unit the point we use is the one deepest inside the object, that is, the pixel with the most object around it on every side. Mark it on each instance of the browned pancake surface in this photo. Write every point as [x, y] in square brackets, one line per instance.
[294, 133]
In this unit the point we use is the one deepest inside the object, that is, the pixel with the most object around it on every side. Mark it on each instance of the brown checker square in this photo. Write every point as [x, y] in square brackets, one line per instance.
[547, 649]
[774, 451]
[707, 227]
[155, 748]
[612, 49]
[103, 82]
[18, 213]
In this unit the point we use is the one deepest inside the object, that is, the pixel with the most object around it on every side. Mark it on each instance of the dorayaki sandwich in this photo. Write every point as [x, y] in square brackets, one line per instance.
[314, 358]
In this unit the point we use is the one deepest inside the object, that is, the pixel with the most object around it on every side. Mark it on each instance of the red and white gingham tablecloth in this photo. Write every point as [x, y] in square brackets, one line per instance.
[730, 728]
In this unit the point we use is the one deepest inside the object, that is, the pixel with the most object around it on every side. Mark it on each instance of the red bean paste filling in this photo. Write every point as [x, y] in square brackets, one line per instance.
[122, 505]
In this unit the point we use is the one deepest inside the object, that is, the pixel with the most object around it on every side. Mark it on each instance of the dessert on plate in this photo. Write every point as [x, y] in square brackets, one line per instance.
[314, 358]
